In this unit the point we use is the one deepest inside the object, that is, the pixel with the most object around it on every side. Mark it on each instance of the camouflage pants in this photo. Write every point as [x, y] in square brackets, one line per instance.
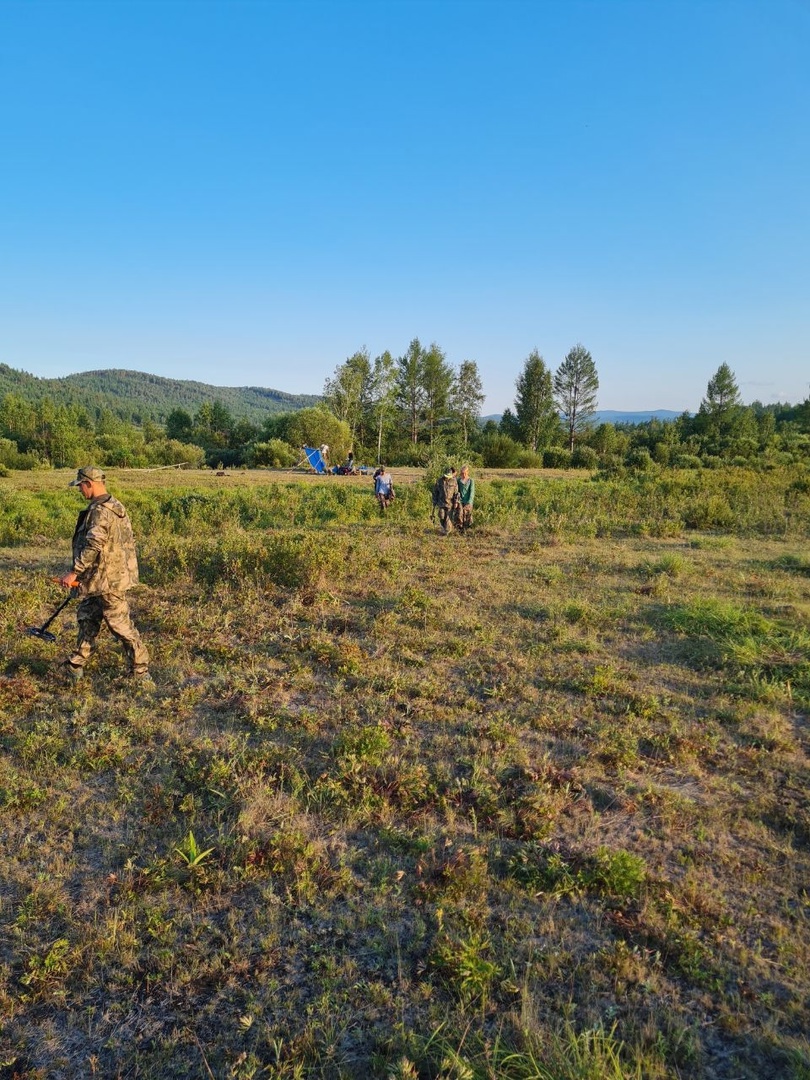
[446, 515]
[464, 517]
[112, 609]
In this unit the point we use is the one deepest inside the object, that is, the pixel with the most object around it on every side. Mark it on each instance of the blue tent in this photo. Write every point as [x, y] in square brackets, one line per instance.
[315, 458]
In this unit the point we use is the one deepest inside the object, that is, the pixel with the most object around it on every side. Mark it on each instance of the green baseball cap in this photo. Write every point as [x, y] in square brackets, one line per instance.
[87, 474]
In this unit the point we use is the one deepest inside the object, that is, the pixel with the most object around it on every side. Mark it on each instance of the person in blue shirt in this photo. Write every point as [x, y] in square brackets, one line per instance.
[383, 488]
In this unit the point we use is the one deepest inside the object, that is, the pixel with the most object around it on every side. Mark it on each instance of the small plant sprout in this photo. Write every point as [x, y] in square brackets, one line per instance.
[190, 853]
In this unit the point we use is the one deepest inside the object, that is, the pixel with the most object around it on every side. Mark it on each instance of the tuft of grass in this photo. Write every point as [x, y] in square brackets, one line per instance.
[764, 652]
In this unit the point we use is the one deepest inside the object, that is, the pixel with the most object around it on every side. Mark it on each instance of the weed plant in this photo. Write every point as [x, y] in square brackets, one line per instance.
[529, 802]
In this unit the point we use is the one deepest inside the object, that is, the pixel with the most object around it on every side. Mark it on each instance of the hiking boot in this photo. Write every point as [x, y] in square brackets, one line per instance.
[70, 674]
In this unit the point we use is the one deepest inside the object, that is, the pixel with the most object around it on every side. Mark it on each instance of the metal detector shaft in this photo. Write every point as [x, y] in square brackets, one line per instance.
[42, 631]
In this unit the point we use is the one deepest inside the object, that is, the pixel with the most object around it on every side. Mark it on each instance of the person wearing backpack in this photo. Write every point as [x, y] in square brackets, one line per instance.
[445, 499]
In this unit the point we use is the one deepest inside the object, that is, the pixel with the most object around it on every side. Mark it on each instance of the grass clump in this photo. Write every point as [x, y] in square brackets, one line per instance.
[765, 653]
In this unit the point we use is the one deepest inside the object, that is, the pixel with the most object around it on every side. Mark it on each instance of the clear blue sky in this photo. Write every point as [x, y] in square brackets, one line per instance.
[246, 193]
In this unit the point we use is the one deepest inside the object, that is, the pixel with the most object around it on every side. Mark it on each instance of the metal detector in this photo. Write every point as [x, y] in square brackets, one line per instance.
[43, 632]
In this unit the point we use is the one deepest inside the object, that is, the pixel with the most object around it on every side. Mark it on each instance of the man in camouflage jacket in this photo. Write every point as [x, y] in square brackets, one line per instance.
[105, 568]
[445, 498]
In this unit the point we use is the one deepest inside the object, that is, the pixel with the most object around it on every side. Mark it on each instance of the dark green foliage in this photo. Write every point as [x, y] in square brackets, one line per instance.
[499, 451]
[639, 460]
[576, 383]
[556, 457]
[135, 396]
[316, 426]
[584, 457]
[536, 423]
[687, 461]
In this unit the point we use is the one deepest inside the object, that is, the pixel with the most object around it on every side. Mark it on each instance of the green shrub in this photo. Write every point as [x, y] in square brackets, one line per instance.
[639, 460]
[499, 451]
[12, 458]
[662, 453]
[708, 512]
[584, 457]
[784, 458]
[616, 874]
[274, 454]
[556, 457]
[25, 515]
[173, 452]
[288, 561]
[612, 465]
[529, 459]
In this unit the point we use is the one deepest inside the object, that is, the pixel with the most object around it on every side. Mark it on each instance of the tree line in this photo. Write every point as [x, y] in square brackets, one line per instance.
[409, 410]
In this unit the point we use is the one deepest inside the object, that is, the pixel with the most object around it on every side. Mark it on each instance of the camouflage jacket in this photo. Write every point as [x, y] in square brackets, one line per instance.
[104, 557]
[445, 493]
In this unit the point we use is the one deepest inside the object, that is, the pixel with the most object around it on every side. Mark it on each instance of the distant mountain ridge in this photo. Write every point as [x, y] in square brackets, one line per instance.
[613, 416]
[135, 396]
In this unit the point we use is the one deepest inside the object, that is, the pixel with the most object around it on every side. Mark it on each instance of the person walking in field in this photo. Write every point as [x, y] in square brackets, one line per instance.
[383, 488]
[105, 568]
[466, 498]
[445, 499]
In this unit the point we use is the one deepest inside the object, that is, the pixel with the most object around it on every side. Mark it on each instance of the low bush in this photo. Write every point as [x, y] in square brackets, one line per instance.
[529, 459]
[499, 451]
[274, 454]
[584, 457]
[639, 460]
[289, 561]
[556, 457]
[13, 458]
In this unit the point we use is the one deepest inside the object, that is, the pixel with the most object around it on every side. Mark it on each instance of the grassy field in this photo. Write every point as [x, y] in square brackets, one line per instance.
[530, 802]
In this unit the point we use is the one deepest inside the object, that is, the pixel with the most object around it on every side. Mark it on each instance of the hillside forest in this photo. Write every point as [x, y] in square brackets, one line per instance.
[407, 411]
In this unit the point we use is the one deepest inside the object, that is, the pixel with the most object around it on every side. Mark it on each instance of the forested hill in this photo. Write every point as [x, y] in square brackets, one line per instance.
[135, 396]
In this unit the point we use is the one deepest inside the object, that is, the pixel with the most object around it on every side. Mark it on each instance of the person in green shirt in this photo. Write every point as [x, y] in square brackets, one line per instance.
[466, 494]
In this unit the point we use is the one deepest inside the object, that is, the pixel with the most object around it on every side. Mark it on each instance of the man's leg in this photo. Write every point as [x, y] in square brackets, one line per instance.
[117, 616]
[89, 615]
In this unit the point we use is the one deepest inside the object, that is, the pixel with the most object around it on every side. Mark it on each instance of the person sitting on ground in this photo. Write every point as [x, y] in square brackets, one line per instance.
[445, 498]
[466, 498]
[383, 488]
